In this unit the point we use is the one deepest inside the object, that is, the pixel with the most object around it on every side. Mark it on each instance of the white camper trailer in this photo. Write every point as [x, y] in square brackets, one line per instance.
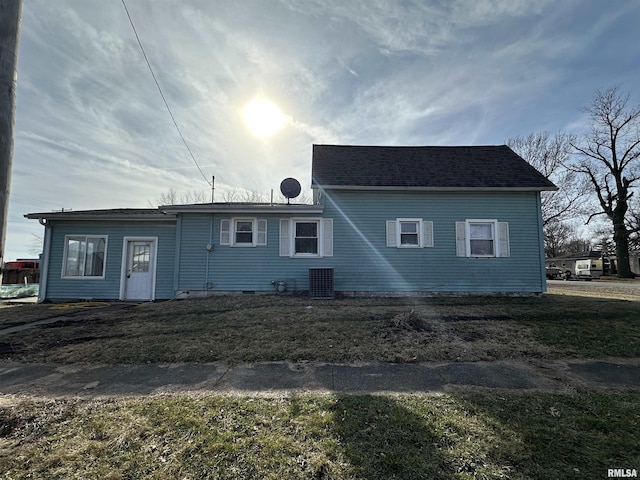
[576, 268]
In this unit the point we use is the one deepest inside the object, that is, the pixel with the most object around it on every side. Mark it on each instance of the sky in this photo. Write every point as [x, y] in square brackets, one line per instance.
[92, 130]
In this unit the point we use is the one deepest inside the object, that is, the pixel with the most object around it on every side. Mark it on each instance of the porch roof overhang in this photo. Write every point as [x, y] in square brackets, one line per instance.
[117, 214]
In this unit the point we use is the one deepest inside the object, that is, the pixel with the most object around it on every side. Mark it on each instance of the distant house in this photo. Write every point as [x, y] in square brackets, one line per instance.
[384, 220]
[581, 264]
[605, 264]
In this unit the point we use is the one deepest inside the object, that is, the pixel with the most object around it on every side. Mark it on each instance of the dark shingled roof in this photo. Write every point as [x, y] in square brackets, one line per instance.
[482, 167]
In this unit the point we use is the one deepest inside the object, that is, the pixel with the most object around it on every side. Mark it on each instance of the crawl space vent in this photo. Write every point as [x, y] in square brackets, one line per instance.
[321, 283]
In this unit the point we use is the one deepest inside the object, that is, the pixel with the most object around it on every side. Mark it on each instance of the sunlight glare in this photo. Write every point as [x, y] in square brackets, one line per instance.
[263, 117]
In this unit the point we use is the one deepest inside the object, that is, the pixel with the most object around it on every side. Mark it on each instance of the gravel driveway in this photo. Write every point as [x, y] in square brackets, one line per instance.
[623, 290]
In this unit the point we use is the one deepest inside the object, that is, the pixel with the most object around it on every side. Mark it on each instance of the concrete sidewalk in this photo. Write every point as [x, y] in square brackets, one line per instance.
[280, 377]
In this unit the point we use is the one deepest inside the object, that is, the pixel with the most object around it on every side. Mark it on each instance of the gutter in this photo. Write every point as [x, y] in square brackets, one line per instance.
[432, 189]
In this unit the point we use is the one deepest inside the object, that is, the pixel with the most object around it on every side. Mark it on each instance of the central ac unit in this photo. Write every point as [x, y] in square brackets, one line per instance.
[321, 283]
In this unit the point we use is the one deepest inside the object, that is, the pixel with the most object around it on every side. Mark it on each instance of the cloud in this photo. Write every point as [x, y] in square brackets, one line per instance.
[92, 130]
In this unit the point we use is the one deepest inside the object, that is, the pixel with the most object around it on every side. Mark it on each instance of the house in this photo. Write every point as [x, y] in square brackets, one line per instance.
[566, 264]
[384, 220]
[600, 261]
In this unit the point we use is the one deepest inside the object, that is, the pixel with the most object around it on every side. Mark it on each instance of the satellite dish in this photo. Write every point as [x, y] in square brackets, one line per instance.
[290, 188]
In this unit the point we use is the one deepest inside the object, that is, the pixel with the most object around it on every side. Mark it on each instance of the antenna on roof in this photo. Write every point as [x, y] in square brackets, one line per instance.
[290, 188]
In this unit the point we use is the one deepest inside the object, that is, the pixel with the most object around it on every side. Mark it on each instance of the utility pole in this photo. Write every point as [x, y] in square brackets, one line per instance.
[10, 13]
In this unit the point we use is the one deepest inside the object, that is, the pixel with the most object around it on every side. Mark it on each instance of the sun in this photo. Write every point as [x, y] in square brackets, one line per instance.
[263, 117]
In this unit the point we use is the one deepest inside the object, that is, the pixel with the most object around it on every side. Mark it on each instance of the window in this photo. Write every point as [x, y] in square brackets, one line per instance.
[306, 237]
[84, 256]
[140, 258]
[243, 232]
[409, 233]
[482, 238]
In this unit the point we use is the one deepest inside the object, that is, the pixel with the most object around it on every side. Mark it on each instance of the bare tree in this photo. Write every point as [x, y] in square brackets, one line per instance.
[609, 159]
[578, 244]
[34, 246]
[250, 196]
[549, 156]
[556, 237]
[235, 194]
[302, 199]
[633, 222]
[173, 197]
[229, 195]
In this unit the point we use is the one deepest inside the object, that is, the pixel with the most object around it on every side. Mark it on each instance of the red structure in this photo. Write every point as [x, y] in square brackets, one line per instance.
[22, 271]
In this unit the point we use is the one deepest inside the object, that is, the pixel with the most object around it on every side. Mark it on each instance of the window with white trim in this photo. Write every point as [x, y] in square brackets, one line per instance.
[306, 237]
[84, 256]
[482, 238]
[409, 236]
[409, 233]
[243, 232]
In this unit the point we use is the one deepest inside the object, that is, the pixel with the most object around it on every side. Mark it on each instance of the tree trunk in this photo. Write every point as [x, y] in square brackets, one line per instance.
[621, 239]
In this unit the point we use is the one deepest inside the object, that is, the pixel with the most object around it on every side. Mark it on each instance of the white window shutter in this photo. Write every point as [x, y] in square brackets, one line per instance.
[392, 240]
[285, 240]
[503, 239]
[225, 235]
[262, 232]
[461, 239]
[327, 234]
[427, 234]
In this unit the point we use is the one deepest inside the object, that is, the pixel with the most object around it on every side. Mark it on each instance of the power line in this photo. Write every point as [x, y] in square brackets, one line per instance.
[144, 54]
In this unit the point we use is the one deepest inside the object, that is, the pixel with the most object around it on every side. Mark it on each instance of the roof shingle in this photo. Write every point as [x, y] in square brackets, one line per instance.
[471, 167]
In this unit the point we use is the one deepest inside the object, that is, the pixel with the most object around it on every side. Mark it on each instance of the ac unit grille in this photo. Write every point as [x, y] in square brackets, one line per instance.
[321, 283]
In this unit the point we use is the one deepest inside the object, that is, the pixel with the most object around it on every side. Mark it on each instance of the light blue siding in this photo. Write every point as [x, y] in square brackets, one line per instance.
[236, 268]
[109, 287]
[361, 260]
[191, 258]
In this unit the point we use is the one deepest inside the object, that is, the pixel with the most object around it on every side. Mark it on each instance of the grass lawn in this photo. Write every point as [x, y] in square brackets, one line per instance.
[477, 433]
[270, 328]
[490, 435]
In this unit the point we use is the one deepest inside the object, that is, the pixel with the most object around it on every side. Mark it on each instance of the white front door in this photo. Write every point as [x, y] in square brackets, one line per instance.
[139, 270]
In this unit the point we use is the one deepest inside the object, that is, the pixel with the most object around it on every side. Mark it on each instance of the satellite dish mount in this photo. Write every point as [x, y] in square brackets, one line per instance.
[290, 188]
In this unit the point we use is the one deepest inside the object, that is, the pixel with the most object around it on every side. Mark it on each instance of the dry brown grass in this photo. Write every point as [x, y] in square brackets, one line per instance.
[486, 434]
[619, 289]
[258, 329]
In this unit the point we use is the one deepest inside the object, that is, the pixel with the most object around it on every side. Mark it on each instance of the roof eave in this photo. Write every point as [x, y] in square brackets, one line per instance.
[435, 189]
[99, 217]
[243, 209]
